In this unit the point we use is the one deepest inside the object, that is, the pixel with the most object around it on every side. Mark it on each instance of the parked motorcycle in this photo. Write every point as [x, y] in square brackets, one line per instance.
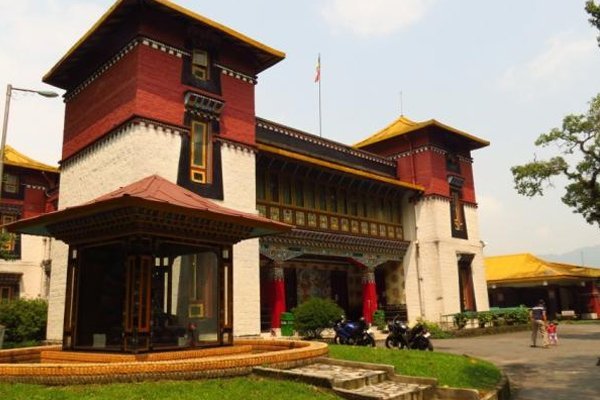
[401, 336]
[353, 333]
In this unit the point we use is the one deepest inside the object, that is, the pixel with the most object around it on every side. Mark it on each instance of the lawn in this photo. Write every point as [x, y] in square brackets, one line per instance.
[448, 369]
[247, 388]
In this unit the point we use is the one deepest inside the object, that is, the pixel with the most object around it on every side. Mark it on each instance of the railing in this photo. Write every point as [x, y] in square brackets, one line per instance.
[330, 222]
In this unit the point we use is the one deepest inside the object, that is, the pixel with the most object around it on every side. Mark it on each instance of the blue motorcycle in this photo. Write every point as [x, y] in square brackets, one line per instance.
[353, 333]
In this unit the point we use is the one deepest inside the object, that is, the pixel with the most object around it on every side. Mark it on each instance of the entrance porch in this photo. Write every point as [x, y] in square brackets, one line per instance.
[359, 274]
[150, 267]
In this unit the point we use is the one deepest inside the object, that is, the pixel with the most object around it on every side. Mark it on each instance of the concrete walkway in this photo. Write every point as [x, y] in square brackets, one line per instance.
[565, 372]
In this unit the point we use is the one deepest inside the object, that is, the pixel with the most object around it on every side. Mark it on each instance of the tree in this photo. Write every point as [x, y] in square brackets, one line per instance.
[594, 10]
[579, 140]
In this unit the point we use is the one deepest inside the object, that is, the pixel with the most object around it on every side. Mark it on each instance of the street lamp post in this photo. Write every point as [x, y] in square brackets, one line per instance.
[9, 90]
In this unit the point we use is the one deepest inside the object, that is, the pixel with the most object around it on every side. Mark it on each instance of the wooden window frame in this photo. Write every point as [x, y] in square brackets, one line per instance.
[13, 186]
[9, 246]
[201, 173]
[8, 289]
[201, 71]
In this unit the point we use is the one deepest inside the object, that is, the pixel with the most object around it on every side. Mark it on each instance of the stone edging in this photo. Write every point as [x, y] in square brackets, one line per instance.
[281, 353]
[502, 391]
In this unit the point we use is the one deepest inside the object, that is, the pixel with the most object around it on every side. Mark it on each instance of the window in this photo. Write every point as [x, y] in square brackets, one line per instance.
[200, 65]
[200, 153]
[299, 195]
[274, 187]
[286, 190]
[457, 215]
[10, 183]
[5, 294]
[9, 244]
[452, 163]
[261, 189]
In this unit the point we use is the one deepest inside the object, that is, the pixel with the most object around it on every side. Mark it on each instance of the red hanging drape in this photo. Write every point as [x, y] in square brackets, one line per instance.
[277, 296]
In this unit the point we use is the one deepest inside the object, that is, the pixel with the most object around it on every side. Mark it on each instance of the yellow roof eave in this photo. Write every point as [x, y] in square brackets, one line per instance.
[381, 136]
[17, 159]
[175, 7]
[338, 167]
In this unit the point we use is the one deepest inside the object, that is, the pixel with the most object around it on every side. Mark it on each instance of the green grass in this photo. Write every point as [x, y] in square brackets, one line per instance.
[448, 369]
[246, 388]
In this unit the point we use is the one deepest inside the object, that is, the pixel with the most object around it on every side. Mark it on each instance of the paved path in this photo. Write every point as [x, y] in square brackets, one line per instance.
[567, 371]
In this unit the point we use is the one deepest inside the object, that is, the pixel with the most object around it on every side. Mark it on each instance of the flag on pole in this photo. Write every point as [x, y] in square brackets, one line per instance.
[318, 71]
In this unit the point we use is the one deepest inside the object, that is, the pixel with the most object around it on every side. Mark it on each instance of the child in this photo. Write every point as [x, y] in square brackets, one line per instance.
[552, 334]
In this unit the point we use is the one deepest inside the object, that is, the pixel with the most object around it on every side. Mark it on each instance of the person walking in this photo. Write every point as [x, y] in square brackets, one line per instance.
[538, 324]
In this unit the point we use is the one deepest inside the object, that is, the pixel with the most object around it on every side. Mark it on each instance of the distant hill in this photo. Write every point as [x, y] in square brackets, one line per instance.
[586, 256]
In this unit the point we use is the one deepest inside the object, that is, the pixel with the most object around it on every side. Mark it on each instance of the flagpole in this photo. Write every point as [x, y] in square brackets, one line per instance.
[318, 78]
[320, 120]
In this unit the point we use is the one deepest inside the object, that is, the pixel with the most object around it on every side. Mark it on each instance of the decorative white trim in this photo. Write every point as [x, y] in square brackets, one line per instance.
[36, 187]
[103, 68]
[430, 148]
[236, 74]
[323, 142]
[236, 145]
[165, 48]
[110, 136]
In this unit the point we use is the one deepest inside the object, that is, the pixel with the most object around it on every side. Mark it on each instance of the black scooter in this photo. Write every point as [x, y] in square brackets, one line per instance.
[401, 336]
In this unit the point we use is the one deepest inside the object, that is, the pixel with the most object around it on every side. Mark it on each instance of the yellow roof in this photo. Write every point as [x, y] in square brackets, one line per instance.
[526, 267]
[275, 54]
[13, 157]
[403, 125]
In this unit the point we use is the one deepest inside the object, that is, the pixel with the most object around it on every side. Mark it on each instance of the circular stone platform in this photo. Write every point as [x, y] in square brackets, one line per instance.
[49, 365]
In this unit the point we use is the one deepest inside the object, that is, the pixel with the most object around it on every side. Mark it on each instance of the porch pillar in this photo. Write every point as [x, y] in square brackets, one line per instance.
[369, 293]
[277, 294]
[593, 302]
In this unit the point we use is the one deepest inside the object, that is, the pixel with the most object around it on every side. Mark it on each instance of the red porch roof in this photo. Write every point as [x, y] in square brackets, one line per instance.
[152, 193]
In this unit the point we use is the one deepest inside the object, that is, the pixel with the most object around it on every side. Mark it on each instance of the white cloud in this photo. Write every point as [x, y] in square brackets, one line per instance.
[374, 17]
[564, 61]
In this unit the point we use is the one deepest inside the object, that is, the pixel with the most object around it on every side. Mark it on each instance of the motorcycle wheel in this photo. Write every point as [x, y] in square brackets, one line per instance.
[369, 341]
[429, 346]
[390, 343]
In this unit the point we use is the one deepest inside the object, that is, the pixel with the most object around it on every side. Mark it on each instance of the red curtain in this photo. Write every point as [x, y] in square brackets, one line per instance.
[276, 289]
[369, 299]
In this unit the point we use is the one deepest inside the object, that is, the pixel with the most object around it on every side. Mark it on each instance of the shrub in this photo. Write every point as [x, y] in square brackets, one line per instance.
[315, 315]
[24, 319]
[460, 320]
[379, 320]
[517, 316]
[437, 332]
[484, 318]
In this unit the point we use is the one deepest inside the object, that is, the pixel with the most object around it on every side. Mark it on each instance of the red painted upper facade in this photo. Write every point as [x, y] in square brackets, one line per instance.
[136, 62]
[429, 154]
[29, 189]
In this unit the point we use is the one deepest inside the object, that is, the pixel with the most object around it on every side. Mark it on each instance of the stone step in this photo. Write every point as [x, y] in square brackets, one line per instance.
[387, 390]
[342, 376]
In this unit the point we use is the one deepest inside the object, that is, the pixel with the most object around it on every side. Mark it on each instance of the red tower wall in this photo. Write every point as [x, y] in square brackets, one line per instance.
[104, 104]
[238, 121]
[147, 83]
[423, 165]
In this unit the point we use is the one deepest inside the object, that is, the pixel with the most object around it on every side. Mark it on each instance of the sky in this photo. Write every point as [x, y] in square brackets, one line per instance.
[505, 71]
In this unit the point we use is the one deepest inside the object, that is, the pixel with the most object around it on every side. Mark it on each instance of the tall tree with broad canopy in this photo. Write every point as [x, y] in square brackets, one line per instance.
[579, 140]
[594, 10]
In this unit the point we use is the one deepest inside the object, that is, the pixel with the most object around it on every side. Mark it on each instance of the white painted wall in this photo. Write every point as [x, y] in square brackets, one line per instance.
[239, 185]
[135, 153]
[33, 253]
[433, 252]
